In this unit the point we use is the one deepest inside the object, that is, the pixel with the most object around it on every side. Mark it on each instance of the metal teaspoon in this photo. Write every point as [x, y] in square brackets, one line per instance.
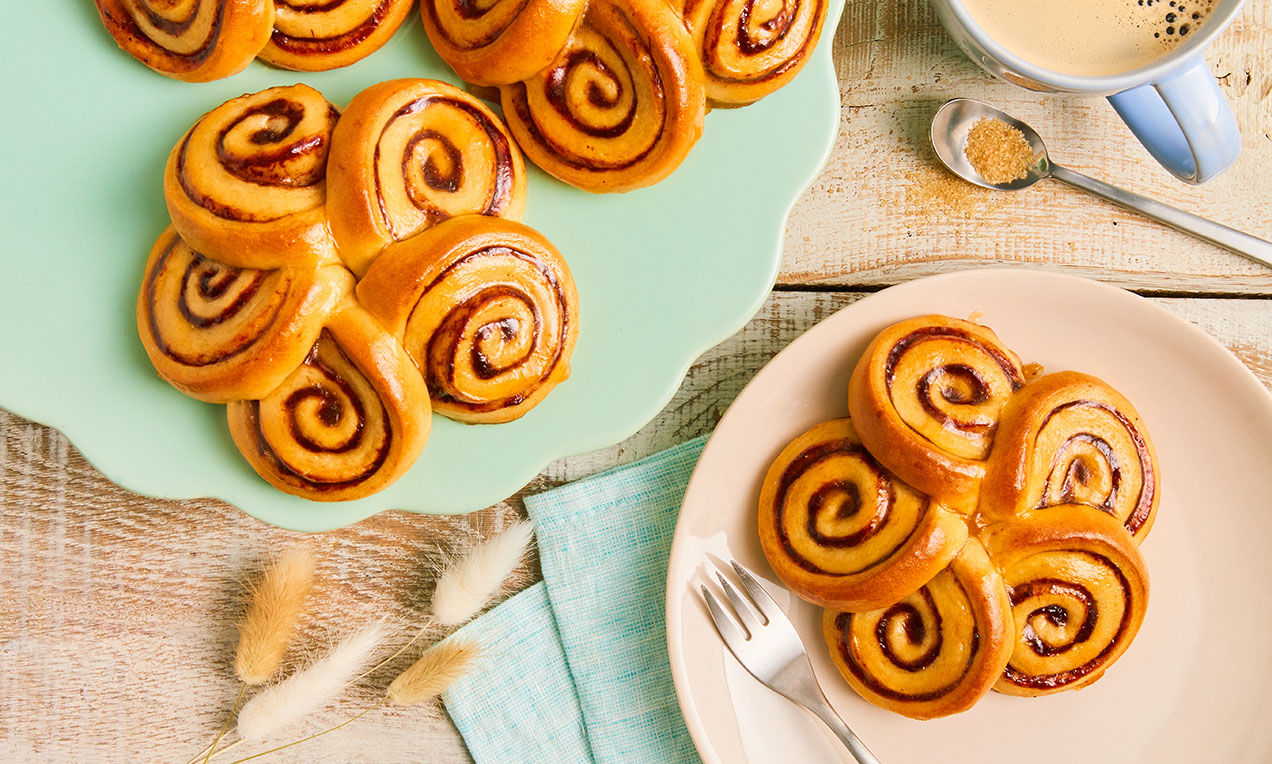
[949, 135]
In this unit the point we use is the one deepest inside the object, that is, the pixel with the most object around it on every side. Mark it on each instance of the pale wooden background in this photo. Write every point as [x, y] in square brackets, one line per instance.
[117, 612]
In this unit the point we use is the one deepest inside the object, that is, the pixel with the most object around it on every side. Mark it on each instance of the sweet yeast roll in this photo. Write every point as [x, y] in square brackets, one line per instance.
[620, 106]
[246, 185]
[220, 333]
[843, 532]
[347, 422]
[499, 42]
[410, 153]
[926, 398]
[750, 48]
[1070, 438]
[317, 35]
[486, 308]
[937, 651]
[1079, 589]
[191, 40]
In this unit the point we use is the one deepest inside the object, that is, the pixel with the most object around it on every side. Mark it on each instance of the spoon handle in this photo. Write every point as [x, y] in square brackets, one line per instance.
[1221, 235]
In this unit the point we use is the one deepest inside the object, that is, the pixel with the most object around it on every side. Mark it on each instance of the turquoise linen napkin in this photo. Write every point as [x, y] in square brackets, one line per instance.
[576, 668]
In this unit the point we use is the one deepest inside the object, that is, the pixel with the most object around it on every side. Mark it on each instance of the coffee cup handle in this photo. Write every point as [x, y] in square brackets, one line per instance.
[1184, 121]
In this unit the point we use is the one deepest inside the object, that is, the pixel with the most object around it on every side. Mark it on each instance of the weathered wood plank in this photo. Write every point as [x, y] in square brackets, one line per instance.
[885, 212]
[116, 620]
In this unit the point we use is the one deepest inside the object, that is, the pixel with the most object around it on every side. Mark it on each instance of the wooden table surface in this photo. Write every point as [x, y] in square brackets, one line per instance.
[117, 612]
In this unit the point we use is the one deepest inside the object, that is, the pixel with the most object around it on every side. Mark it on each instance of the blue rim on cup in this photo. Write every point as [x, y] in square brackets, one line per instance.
[1173, 105]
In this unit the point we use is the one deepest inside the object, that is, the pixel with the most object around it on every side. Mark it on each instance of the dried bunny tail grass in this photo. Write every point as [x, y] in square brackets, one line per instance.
[469, 583]
[312, 687]
[275, 604]
[437, 669]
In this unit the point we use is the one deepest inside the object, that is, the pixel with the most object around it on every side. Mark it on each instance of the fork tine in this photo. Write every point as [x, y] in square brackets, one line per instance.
[746, 610]
[729, 630]
[763, 602]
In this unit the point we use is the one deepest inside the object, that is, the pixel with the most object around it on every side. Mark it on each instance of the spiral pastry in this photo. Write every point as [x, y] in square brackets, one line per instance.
[316, 35]
[621, 105]
[1078, 586]
[349, 421]
[487, 310]
[938, 650]
[499, 42]
[1069, 438]
[842, 532]
[410, 153]
[219, 333]
[191, 40]
[247, 184]
[926, 398]
[751, 48]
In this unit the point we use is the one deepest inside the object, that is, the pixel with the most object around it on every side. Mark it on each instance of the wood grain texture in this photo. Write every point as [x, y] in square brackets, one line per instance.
[884, 211]
[117, 619]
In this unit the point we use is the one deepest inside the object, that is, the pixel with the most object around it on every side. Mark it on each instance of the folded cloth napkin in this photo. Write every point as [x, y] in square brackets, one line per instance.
[575, 668]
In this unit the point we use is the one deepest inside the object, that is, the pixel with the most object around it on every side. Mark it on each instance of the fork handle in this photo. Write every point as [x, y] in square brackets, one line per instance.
[858, 749]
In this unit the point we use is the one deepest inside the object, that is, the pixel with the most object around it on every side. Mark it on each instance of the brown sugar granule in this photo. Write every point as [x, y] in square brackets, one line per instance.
[997, 151]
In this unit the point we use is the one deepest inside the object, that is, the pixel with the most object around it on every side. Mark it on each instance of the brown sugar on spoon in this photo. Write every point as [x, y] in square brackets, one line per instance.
[998, 152]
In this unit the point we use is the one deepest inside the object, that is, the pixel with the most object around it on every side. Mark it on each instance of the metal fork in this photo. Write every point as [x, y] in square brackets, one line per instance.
[767, 645]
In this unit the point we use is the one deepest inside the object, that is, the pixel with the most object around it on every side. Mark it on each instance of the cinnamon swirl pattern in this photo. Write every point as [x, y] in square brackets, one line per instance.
[842, 532]
[348, 421]
[486, 308]
[750, 48]
[204, 40]
[499, 42]
[1079, 589]
[620, 106]
[323, 400]
[410, 153]
[317, 35]
[1034, 585]
[1069, 438]
[935, 652]
[219, 333]
[247, 184]
[927, 396]
[191, 40]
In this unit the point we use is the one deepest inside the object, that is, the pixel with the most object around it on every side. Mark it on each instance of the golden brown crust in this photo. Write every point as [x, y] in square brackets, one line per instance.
[937, 651]
[317, 37]
[348, 422]
[621, 105]
[219, 333]
[485, 307]
[926, 397]
[410, 153]
[1079, 589]
[842, 532]
[246, 186]
[748, 48]
[197, 42]
[1070, 438]
[508, 41]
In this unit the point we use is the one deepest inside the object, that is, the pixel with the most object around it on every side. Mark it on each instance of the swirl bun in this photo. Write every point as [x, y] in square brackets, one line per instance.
[485, 307]
[1069, 438]
[926, 397]
[247, 184]
[316, 35]
[195, 40]
[219, 333]
[621, 105]
[499, 42]
[751, 48]
[349, 421]
[842, 532]
[938, 650]
[1079, 588]
[410, 153]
